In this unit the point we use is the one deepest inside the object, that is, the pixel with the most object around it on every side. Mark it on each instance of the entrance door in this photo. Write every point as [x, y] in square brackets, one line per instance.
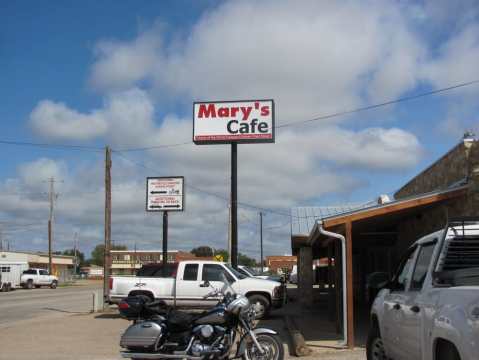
[394, 305]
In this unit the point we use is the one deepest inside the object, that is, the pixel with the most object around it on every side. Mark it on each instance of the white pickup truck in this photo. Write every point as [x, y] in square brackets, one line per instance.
[189, 281]
[36, 278]
[430, 309]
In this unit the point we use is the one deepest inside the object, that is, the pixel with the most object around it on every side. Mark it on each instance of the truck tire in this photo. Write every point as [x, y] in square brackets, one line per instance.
[261, 304]
[4, 287]
[54, 284]
[374, 346]
[9, 287]
[30, 284]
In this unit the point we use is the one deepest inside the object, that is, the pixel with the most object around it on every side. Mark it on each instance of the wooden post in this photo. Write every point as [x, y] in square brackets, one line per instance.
[107, 254]
[349, 280]
[338, 288]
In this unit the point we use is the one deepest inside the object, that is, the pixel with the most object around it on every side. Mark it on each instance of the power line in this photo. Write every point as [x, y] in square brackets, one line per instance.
[328, 116]
[210, 193]
[53, 146]
[375, 106]
[292, 123]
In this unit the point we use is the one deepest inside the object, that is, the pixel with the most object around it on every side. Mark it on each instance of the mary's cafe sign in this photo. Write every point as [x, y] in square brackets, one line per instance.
[233, 121]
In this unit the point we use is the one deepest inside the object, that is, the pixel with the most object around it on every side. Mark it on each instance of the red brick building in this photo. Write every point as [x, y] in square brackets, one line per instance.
[280, 262]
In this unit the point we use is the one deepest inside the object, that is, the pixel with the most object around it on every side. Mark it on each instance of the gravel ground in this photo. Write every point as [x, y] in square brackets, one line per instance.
[92, 337]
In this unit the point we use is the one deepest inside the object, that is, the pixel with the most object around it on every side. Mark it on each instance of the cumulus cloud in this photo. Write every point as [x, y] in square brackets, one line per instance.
[120, 65]
[54, 120]
[315, 56]
[313, 59]
[126, 118]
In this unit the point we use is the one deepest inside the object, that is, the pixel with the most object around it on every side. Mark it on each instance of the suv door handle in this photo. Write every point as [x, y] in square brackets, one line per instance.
[415, 309]
[396, 306]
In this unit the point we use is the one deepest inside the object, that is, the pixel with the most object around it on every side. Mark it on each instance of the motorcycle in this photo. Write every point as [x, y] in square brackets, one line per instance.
[160, 332]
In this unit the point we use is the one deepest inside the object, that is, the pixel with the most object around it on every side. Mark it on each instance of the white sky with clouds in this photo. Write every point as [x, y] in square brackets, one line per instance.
[311, 57]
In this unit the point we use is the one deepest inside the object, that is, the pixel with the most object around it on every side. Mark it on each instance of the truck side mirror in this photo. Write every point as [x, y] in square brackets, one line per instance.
[205, 284]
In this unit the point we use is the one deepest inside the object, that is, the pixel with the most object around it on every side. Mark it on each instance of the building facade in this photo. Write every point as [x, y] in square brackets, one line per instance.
[280, 264]
[62, 265]
[376, 235]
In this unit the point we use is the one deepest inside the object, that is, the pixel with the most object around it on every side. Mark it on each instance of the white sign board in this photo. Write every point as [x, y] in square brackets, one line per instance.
[165, 193]
[222, 122]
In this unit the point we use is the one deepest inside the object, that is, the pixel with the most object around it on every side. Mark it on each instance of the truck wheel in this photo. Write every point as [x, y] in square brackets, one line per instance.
[374, 346]
[4, 287]
[261, 305]
[30, 284]
[9, 287]
[54, 284]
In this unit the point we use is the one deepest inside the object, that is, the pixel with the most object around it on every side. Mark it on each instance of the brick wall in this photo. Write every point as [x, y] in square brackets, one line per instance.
[461, 162]
[449, 169]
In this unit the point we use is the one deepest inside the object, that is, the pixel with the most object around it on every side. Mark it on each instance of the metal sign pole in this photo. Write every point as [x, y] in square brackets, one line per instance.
[234, 205]
[165, 241]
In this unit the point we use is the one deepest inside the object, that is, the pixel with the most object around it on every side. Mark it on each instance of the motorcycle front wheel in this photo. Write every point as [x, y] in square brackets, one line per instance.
[272, 348]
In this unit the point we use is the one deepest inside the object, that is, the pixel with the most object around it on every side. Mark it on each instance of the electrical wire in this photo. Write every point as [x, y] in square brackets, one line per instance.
[210, 193]
[53, 146]
[328, 116]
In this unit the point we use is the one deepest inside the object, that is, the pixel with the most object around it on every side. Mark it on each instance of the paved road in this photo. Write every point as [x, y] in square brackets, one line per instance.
[24, 304]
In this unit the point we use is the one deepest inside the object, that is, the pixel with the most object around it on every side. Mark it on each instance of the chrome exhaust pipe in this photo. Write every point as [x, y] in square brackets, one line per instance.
[140, 355]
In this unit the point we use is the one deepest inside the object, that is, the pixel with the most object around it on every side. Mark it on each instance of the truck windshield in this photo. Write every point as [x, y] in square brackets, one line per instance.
[252, 271]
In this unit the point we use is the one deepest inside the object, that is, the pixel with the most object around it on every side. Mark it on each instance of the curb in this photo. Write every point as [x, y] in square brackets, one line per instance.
[297, 339]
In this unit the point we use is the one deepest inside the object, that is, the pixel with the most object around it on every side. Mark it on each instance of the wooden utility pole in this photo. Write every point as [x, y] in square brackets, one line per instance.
[107, 254]
[350, 283]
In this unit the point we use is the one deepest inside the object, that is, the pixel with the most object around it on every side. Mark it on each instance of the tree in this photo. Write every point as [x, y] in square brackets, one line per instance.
[98, 253]
[80, 256]
[223, 253]
[202, 251]
[246, 260]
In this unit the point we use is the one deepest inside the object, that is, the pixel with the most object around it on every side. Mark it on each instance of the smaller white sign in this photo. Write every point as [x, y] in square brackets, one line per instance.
[165, 193]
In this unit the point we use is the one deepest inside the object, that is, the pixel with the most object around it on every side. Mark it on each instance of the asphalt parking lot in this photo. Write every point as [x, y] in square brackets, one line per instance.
[21, 304]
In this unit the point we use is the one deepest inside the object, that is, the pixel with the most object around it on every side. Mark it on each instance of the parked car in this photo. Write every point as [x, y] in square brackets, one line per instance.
[10, 273]
[37, 278]
[187, 282]
[430, 308]
[247, 271]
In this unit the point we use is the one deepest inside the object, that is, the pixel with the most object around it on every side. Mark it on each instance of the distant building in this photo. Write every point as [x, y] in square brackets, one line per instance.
[277, 264]
[62, 265]
[127, 262]
[92, 271]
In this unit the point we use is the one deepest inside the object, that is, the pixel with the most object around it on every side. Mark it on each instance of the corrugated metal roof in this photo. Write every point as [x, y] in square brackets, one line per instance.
[303, 218]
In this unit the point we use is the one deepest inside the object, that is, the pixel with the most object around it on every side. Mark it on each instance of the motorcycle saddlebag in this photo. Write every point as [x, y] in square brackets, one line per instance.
[141, 336]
